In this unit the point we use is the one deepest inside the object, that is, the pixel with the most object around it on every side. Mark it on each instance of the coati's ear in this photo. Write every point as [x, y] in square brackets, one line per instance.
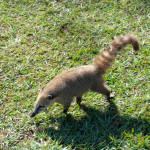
[41, 89]
[50, 97]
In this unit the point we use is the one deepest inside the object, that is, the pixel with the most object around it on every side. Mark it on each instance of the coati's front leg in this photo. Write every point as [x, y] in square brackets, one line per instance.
[78, 100]
[66, 105]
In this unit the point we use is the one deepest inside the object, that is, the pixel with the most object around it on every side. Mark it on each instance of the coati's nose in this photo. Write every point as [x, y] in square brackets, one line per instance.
[33, 114]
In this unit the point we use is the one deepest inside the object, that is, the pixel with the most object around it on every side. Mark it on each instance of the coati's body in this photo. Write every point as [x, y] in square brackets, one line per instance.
[75, 82]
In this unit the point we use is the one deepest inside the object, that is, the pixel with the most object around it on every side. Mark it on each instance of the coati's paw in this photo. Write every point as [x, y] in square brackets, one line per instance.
[72, 105]
[79, 103]
[65, 111]
[112, 95]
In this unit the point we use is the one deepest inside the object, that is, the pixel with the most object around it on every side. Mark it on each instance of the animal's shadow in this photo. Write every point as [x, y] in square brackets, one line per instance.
[97, 129]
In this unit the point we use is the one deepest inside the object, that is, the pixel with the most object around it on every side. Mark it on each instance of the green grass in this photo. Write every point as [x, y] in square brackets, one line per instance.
[39, 39]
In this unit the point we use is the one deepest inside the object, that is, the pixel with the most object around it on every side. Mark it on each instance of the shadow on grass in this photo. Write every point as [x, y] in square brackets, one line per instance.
[97, 129]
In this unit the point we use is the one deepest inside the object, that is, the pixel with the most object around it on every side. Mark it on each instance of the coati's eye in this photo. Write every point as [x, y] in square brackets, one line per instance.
[50, 97]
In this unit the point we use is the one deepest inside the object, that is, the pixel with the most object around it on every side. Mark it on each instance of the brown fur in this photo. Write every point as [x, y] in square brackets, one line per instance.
[75, 82]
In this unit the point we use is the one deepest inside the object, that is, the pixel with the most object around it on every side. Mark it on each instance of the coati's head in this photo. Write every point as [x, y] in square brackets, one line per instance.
[43, 101]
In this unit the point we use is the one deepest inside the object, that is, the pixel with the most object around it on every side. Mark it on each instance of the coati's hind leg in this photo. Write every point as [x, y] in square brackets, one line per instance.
[102, 88]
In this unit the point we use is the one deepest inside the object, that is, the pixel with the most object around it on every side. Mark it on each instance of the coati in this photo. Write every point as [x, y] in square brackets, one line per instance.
[75, 82]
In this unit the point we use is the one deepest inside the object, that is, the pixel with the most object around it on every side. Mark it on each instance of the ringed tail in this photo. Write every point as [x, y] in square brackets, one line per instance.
[105, 60]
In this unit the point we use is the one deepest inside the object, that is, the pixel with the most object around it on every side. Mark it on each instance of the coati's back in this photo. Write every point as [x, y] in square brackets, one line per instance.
[74, 82]
[77, 81]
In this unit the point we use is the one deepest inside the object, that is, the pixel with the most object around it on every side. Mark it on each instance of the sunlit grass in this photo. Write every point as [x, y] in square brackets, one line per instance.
[40, 39]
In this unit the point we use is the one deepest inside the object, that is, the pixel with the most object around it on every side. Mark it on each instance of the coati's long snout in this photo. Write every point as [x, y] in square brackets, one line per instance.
[75, 82]
[42, 103]
[37, 110]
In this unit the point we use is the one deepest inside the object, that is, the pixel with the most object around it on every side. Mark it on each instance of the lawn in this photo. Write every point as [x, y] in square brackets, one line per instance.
[40, 39]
